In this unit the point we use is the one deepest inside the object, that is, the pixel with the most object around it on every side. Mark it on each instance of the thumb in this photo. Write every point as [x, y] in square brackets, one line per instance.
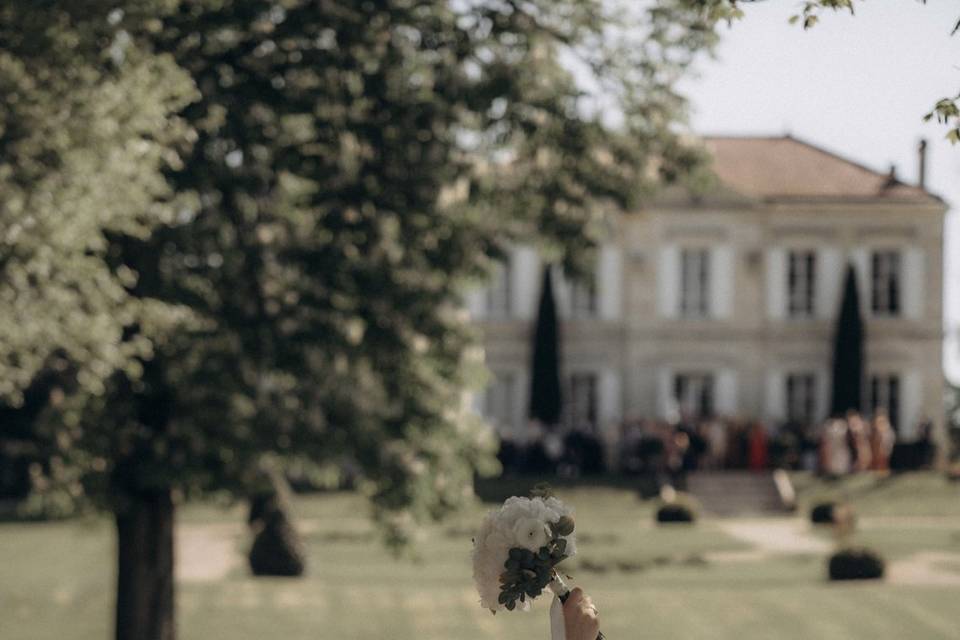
[557, 628]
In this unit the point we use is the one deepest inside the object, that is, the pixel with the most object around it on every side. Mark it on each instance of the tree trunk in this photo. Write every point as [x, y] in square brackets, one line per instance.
[145, 568]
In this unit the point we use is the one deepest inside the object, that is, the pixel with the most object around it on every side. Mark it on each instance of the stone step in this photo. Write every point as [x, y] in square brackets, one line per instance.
[736, 493]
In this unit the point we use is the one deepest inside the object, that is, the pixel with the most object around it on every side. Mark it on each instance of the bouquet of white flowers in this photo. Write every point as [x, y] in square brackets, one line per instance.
[517, 550]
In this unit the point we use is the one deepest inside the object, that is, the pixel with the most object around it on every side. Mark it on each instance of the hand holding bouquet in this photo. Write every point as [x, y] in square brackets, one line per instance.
[516, 552]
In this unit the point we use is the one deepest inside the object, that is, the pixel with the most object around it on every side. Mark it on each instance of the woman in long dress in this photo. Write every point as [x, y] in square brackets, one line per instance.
[882, 439]
[836, 448]
[860, 441]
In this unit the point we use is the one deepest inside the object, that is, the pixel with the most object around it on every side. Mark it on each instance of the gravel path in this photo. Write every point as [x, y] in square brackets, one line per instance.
[775, 535]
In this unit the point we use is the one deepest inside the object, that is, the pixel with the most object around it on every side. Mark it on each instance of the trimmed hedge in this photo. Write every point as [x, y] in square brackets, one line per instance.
[856, 564]
[277, 549]
[674, 512]
[838, 514]
[822, 513]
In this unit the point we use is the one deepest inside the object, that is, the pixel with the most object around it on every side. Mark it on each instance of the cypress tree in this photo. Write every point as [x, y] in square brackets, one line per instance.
[545, 396]
[848, 351]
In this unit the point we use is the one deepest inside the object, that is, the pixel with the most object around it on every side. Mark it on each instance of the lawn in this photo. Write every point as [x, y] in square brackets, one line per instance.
[649, 582]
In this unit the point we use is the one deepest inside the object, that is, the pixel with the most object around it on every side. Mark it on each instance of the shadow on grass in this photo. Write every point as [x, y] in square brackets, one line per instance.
[495, 490]
[629, 566]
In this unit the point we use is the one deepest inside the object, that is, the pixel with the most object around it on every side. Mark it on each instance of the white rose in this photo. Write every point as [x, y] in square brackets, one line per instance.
[531, 533]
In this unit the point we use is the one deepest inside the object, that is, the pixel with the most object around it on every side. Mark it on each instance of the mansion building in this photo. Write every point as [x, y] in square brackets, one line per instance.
[725, 304]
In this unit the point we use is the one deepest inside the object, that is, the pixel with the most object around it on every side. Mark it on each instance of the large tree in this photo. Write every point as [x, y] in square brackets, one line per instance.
[353, 166]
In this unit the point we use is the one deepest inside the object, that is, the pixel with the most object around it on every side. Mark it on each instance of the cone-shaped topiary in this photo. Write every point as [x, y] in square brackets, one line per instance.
[277, 549]
[856, 564]
[848, 351]
[545, 395]
[822, 513]
[676, 512]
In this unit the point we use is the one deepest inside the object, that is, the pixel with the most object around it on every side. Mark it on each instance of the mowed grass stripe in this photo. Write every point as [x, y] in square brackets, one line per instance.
[56, 581]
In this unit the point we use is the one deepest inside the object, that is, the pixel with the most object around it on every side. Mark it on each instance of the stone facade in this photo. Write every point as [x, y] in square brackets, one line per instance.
[724, 303]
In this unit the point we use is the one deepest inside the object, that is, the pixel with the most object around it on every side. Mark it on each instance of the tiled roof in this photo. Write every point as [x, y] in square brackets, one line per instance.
[787, 168]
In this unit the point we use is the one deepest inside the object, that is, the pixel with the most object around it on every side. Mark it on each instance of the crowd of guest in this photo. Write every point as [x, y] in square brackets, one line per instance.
[669, 451]
[855, 444]
[836, 447]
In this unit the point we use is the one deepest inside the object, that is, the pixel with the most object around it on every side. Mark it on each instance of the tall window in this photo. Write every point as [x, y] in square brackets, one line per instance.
[583, 298]
[498, 293]
[801, 283]
[694, 282]
[694, 394]
[885, 282]
[885, 394]
[801, 398]
[499, 401]
[583, 400]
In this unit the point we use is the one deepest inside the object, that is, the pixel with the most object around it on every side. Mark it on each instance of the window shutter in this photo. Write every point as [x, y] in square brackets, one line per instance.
[911, 404]
[518, 407]
[524, 282]
[861, 263]
[610, 410]
[727, 404]
[668, 281]
[822, 403]
[829, 279]
[561, 293]
[666, 407]
[609, 282]
[913, 280]
[776, 395]
[721, 281]
[776, 283]
[477, 401]
[476, 300]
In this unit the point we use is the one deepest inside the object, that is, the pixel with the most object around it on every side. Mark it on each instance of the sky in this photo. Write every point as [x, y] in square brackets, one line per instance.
[856, 85]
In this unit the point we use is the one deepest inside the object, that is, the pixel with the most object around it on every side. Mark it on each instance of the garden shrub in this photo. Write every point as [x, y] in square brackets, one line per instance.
[822, 513]
[839, 514]
[856, 564]
[277, 549]
[673, 512]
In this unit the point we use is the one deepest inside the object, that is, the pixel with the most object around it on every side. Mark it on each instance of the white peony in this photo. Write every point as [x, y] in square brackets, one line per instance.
[519, 523]
[531, 533]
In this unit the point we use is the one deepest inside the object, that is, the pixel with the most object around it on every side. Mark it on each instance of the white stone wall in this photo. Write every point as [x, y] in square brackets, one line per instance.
[638, 339]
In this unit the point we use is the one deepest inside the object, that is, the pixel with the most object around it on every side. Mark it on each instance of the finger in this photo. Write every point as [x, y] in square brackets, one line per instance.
[575, 598]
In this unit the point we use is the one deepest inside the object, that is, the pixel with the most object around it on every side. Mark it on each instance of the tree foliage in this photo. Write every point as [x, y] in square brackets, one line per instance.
[86, 124]
[353, 166]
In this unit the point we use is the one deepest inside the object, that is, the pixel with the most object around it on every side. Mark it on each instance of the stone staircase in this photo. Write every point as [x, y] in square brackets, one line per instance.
[740, 493]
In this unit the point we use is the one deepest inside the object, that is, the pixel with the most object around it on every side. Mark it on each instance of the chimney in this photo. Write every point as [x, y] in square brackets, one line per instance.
[922, 168]
[891, 180]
